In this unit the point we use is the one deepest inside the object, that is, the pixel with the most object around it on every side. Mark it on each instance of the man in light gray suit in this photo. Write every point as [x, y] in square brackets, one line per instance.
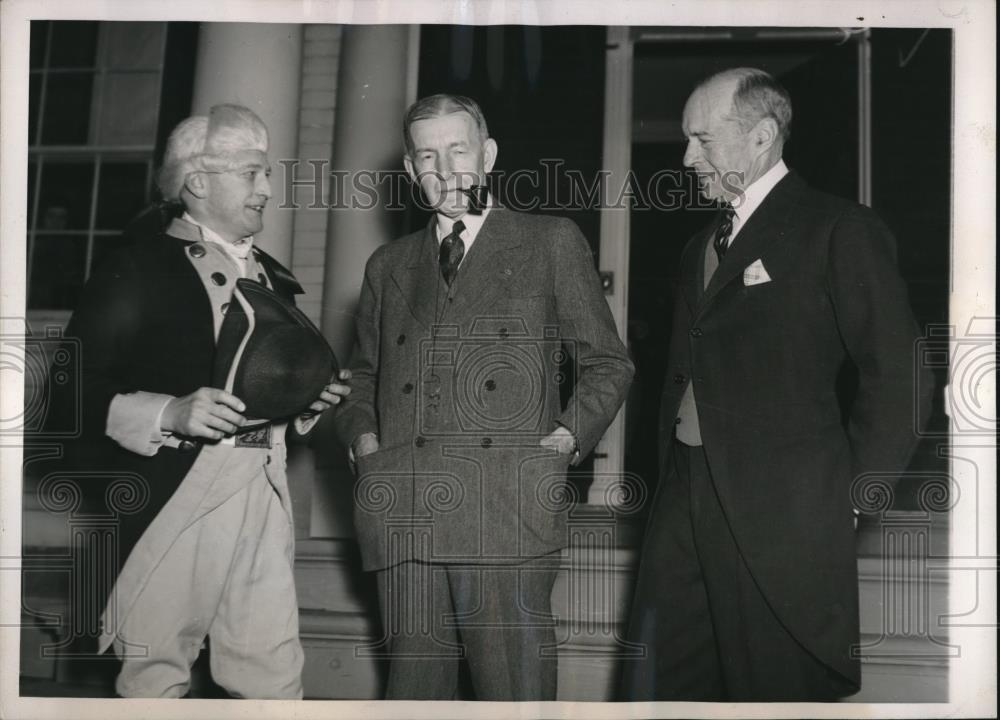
[455, 420]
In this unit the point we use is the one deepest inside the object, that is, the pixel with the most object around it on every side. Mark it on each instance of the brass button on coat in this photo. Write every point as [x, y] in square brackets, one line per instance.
[218, 278]
[196, 251]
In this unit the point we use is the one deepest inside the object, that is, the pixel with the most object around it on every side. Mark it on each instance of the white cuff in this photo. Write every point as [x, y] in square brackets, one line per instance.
[134, 421]
[305, 423]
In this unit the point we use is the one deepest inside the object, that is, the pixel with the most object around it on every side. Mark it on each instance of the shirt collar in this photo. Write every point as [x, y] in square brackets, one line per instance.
[472, 224]
[239, 250]
[754, 195]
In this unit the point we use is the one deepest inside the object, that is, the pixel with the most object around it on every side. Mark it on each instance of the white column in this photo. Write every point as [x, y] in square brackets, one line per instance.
[376, 82]
[609, 461]
[259, 66]
[374, 89]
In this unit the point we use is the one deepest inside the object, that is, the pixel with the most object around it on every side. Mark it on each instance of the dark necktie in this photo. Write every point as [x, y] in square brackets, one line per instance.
[723, 231]
[452, 251]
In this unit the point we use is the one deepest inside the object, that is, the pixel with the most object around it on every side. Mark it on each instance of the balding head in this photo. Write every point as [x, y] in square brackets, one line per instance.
[755, 95]
[736, 123]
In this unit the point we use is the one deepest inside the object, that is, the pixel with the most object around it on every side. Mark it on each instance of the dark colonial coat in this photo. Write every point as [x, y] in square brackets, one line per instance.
[144, 322]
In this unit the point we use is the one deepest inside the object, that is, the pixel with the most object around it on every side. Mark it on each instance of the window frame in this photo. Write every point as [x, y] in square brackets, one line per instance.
[100, 155]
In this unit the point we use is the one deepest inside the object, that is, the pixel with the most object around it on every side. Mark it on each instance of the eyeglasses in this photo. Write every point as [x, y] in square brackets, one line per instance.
[243, 173]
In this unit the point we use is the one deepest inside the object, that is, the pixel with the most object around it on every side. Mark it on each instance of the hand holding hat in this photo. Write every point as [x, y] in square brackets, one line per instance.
[273, 358]
[213, 414]
[271, 363]
[206, 413]
[331, 394]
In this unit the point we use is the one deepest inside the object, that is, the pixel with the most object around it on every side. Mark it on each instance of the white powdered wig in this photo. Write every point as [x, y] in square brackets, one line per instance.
[208, 143]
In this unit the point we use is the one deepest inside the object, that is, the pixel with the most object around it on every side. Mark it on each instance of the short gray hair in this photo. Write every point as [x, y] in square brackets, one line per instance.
[438, 105]
[757, 96]
[206, 142]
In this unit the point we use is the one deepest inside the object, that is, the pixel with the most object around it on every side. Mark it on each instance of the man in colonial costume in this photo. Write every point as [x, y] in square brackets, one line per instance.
[196, 365]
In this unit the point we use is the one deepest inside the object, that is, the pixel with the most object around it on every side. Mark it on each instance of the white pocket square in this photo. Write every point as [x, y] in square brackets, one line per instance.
[755, 274]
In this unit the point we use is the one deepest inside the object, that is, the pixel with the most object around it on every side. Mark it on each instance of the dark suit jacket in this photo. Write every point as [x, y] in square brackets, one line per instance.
[459, 413]
[764, 359]
[143, 323]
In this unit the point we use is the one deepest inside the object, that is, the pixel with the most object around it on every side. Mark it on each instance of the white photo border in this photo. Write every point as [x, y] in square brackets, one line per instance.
[972, 675]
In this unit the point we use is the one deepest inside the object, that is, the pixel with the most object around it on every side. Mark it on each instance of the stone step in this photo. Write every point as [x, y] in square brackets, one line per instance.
[904, 647]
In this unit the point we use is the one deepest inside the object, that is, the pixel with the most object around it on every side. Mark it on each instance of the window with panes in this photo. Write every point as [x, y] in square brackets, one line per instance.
[94, 101]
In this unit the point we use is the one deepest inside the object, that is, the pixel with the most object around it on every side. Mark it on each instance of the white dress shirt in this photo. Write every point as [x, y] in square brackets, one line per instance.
[753, 196]
[238, 250]
[473, 224]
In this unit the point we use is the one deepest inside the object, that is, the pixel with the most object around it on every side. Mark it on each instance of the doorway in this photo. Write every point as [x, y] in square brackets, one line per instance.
[826, 72]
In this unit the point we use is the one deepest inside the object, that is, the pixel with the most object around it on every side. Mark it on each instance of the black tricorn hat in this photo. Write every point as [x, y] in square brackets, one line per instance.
[270, 355]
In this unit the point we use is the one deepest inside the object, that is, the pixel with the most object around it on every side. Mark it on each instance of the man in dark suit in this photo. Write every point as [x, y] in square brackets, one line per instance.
[208, 535]
[455, 420]
[747, 588]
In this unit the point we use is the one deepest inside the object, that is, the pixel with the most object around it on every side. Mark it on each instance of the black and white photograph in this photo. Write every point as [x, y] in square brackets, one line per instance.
[384, 359]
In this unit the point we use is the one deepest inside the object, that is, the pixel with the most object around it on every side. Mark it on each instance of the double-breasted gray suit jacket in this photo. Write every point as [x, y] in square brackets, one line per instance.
[461, 383]
[764, 358]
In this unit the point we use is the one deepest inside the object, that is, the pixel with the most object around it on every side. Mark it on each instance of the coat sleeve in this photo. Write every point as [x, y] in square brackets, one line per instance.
[357, 414]
[877, 327]
[601, 363]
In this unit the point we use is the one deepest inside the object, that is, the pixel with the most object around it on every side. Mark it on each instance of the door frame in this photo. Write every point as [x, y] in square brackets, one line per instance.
[615, 226]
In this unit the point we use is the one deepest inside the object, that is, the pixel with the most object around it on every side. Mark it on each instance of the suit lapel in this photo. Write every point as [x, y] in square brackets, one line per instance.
[494, 258]
[765, 227]
[693, 269]
[418, 277]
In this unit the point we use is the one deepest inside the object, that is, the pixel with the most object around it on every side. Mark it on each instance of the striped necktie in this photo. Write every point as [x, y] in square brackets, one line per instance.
[723, 231]
[451, 253]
